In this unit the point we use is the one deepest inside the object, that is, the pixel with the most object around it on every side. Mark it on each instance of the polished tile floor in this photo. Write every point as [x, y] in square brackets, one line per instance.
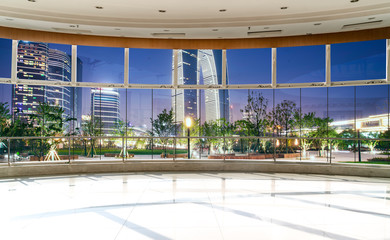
[195, 206]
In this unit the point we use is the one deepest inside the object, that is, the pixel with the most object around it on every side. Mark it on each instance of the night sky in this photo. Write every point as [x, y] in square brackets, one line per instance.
[349, 61]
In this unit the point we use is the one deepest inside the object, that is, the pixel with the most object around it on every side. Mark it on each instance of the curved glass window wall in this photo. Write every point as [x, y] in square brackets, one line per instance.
[67, 103]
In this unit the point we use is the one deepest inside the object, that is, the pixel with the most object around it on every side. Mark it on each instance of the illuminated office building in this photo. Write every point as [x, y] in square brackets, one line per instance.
[193, 67]
[35, 61]
[105, 106]
[32, 64]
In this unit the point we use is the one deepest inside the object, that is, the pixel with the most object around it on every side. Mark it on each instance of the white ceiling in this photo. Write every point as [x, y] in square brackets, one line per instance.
[194, 19]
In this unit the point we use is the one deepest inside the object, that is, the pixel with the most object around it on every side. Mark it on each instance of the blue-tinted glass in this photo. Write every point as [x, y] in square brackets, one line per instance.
[341, 108]
[150, 66]
[358, 60]
[6, 94]
[5, 57]
[300, 64]
[313, 100]
[372, 108]
[101, 64]
[249, 66]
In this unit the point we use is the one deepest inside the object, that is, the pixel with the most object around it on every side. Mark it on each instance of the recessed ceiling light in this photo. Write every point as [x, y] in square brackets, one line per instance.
[98, 7]
[222, 10]
[162, 11]
[317, 24]
[214, 30]
[283, 8]
[353, 1]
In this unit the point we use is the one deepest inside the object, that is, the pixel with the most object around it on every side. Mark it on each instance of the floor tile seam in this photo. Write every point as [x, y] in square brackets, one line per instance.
[132, 209]
[216, 217]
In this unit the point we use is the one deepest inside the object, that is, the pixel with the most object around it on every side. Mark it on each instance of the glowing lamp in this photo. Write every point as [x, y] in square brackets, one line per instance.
[188, 122]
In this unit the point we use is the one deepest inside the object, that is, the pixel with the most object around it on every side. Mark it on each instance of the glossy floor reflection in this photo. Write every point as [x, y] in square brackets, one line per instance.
[195, 206]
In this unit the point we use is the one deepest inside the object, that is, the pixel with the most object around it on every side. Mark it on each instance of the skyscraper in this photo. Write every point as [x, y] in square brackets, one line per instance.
[31, 64]
[192, 66]
[105, 106]
[36, 61]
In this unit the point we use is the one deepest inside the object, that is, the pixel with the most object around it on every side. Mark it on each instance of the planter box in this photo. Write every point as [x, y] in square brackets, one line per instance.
[179, 155]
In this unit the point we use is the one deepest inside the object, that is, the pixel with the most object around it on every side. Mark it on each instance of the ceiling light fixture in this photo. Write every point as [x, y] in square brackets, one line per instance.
[162, 11]
[283, 8]
[31, 0]
[222, 10]
[98, 7]
[353, 1]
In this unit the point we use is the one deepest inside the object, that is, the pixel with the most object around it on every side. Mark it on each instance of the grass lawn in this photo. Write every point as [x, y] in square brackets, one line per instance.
[384, 163]
[132, 151]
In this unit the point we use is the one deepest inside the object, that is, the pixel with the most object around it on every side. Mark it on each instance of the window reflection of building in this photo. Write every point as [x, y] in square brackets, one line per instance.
[194, 66]
[105, 106]
[374, 123]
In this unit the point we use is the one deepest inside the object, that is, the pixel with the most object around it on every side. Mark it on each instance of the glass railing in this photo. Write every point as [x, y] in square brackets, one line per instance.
[41, 150]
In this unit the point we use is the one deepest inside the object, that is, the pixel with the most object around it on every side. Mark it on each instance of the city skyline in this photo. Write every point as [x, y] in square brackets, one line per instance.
[138, 106]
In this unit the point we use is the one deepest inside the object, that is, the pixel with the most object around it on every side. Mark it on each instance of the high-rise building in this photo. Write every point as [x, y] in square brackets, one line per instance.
[105, 106]
[32, 64]
[36, 61]
[192, 66]
[59, 70]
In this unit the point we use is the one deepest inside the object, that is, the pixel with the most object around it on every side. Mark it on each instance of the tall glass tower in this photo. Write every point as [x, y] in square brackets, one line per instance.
[105, 106]
[32, 64]
[36, 61]
[192, 66]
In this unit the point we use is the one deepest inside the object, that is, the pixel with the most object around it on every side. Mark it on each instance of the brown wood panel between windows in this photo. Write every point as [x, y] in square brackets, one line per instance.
[289, 41]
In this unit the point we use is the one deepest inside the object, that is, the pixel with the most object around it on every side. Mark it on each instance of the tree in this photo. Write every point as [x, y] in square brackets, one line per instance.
[164, 126]
[282, 118]
[5, 117]
[372, 143]
[47, 121]
[91, 126]
[385, 145]
[123, 129]
[322, 132]
[306, 123]
[256, 117]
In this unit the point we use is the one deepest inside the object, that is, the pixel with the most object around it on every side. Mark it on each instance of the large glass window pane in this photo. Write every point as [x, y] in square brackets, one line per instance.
[101, 64]
[313, 123]
[358, 60]
[150, 66]
[341, 109]
[284, 124]
[372, 110]
[249, 66]
[5, 57]
[301, 64]
[198, 67]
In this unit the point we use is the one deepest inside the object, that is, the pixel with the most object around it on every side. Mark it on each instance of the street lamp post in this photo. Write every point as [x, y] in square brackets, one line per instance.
[359, 143]
[188, 125]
